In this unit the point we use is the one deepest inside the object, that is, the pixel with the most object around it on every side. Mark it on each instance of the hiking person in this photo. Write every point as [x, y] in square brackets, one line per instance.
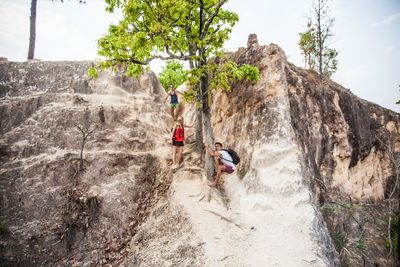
[223, 162]
[178, 141]
[174, 104]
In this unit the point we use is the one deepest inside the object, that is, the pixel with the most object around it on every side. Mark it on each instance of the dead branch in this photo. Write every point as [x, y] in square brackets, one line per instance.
[224, 218]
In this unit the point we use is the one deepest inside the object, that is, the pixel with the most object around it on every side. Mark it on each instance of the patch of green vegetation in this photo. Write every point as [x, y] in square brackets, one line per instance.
[329, 208]
[345, 205]
[393, 234]
[339, 240]
[360, 244]
[335, 206]
[381, 222]
[4, 229]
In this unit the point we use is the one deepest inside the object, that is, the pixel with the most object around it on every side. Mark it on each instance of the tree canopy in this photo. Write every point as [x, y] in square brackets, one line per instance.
[186, 30]
[168, 29]
[172, 74]
[315, 41]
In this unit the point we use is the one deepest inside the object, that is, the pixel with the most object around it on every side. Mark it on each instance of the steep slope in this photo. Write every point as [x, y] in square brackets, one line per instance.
[351, 153]
[312, 187]
[268, 191]
[57, 214]
[307, 146]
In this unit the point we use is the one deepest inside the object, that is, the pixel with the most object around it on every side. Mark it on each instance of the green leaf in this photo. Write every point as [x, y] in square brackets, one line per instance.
[92, 72]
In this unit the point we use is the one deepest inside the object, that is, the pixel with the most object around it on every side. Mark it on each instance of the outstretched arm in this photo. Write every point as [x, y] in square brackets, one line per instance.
[169, 92]
[166, 98]
[190, 125]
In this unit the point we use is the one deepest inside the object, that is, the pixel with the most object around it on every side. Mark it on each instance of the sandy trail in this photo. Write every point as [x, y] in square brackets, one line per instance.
[265, 225]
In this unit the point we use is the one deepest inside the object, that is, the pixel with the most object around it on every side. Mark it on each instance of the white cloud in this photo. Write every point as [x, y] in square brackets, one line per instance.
[387, 21]
[392, 18]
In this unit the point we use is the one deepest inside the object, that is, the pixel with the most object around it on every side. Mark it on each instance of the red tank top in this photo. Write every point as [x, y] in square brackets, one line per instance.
[179, 134]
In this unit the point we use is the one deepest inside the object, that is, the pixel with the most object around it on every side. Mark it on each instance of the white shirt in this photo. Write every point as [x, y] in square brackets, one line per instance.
[226, 159]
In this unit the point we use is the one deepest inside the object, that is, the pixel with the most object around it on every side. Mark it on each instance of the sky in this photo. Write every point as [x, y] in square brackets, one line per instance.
[367, 36]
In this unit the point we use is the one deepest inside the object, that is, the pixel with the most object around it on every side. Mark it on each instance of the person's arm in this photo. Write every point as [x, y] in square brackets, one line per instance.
[212, 153]
[191, 125]
[173, 131]
[178, 92]
[166, 98]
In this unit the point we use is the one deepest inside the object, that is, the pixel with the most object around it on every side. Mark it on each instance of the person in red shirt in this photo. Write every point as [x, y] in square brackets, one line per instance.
[178, 141]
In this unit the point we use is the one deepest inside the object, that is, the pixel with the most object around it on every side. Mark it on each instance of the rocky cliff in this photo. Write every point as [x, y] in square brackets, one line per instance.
[312, 189]
[294, 132]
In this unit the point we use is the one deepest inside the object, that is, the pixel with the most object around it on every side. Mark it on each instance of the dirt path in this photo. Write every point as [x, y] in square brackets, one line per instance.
[268, 224]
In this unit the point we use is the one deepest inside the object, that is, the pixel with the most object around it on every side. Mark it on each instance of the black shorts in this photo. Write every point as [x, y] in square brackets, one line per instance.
[177, 143]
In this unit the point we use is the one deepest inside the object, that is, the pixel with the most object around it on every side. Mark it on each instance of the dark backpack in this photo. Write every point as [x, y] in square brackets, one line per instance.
[234, 156]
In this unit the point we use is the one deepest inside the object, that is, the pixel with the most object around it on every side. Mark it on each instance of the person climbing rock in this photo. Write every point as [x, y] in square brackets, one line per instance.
[178, 141]
[222, 160]
[174, 104]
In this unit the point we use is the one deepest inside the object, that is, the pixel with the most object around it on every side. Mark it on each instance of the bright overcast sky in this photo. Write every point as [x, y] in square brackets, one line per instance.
[367, 35]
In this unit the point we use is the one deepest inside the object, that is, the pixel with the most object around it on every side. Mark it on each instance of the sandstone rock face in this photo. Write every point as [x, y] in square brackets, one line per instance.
[349, 135]
[268, 189]
[350, 151]
[312, 187]
[57, 215]
[296, 136]
[252, 41]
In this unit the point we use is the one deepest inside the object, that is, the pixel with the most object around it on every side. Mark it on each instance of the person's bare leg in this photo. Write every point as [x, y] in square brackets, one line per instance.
[216, 161]
[173, 155]
[180, 109]
[217, 176]
[172, 113]
[179, 155]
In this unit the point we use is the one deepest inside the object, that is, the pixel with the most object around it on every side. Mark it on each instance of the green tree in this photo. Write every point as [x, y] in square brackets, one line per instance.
[172, 74]
[307, 46]
[314, 43]
[32, 27]
[186, 30]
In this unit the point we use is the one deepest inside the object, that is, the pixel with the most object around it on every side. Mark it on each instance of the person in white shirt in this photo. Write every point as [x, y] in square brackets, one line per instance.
[223, 162]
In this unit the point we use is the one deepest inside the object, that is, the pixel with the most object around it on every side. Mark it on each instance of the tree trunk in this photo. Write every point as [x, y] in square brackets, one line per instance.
[199, 130]
[81, 156]
[207, 128]
[32, 37]
[320, 41]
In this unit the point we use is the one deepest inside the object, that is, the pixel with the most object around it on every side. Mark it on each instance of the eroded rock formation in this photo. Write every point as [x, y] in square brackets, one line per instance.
[312, 187]
[347, 148]
[59, 215]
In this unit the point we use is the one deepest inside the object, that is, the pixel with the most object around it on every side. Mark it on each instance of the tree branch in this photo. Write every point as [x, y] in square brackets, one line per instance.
[210, 20]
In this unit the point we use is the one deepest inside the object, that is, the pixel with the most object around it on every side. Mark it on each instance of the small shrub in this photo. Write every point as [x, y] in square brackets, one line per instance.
[339, 240]
[360, 244]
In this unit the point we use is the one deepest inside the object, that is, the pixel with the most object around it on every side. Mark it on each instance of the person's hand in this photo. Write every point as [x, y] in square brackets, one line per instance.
[205, 144]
